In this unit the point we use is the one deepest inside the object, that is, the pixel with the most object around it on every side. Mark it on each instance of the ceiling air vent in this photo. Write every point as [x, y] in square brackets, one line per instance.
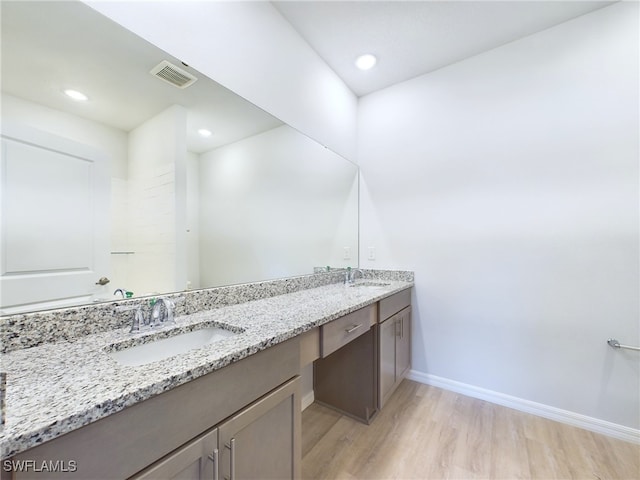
[174, 75]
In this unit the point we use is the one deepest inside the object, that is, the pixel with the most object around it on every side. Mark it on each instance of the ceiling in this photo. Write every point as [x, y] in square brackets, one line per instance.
[49, 46]
[411, 38]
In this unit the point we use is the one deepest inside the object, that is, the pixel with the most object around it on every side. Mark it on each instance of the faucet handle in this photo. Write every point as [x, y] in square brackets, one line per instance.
[170, 305]
[157, 316]
[138, 320]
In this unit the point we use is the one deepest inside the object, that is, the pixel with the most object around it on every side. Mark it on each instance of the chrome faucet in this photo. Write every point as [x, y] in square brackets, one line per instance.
[353, 274]
[157, 316]
[121, 291]
[350, 275]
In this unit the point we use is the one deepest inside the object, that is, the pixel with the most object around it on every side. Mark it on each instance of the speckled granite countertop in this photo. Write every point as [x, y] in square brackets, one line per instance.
[55, 388]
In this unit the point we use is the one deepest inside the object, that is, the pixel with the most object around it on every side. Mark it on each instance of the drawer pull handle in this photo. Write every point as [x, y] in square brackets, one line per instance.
[353, 328]
[214, 459]
[232, 458]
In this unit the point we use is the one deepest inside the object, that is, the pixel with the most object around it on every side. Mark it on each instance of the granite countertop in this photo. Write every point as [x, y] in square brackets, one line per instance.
[55, 388]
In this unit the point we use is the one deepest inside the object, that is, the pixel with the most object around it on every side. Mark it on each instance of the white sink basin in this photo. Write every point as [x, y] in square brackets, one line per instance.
[168, 347]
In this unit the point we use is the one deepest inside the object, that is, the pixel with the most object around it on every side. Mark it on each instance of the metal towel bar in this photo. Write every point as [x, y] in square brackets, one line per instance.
[616, 344]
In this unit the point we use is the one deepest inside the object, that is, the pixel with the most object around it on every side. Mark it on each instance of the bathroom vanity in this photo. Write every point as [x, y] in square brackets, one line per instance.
[372, 359]
[229, 410]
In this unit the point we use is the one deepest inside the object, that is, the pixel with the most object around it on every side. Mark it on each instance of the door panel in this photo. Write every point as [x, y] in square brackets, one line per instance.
[54, 243]
[263, 441]
[387, 357]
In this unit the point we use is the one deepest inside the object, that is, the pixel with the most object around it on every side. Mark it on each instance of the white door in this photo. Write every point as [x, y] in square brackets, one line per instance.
[54, 239]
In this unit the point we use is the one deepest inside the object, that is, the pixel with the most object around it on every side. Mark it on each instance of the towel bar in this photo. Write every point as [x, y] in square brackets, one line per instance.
[616, 344]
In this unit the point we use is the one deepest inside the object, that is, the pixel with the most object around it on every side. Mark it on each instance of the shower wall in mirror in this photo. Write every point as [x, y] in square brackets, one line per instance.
[253, 200]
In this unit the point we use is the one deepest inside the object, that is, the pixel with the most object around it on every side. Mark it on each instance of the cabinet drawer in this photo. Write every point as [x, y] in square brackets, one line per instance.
[393, 304]
[338, 333]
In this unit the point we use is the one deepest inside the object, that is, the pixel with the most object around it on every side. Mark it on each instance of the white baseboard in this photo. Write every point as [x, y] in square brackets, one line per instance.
[307, 399]
[563, 416]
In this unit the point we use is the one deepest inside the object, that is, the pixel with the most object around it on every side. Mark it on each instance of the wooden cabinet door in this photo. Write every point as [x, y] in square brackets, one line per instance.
[387, 358]
[197, 460]
[263, 440]
[403, 344]
[394, 353]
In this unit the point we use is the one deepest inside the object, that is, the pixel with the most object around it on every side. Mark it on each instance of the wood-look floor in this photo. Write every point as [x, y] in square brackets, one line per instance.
[428, 433]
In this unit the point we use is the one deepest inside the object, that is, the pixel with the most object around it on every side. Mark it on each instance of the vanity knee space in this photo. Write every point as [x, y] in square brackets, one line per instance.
[361, 358]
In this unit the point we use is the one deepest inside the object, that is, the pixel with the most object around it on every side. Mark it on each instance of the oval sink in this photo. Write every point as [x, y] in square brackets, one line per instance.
[168, 347]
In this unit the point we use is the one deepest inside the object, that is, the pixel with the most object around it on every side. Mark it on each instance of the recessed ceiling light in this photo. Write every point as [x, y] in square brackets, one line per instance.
[366, 61]
[76, 95]
[204, 132]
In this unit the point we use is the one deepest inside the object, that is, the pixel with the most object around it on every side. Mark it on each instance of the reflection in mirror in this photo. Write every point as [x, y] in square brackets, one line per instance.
[122, 186]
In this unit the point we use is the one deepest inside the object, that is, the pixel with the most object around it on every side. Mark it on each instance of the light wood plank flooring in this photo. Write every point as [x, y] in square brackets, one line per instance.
[428, 433]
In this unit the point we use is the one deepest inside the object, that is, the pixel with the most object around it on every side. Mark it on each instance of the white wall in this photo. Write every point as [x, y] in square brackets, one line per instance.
[509, 183]
[193, 220]
[276, 195]
[249, 48]
[157, 203]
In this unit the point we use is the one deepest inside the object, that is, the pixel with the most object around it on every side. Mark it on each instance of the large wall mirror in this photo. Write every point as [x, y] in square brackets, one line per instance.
[122, 185]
